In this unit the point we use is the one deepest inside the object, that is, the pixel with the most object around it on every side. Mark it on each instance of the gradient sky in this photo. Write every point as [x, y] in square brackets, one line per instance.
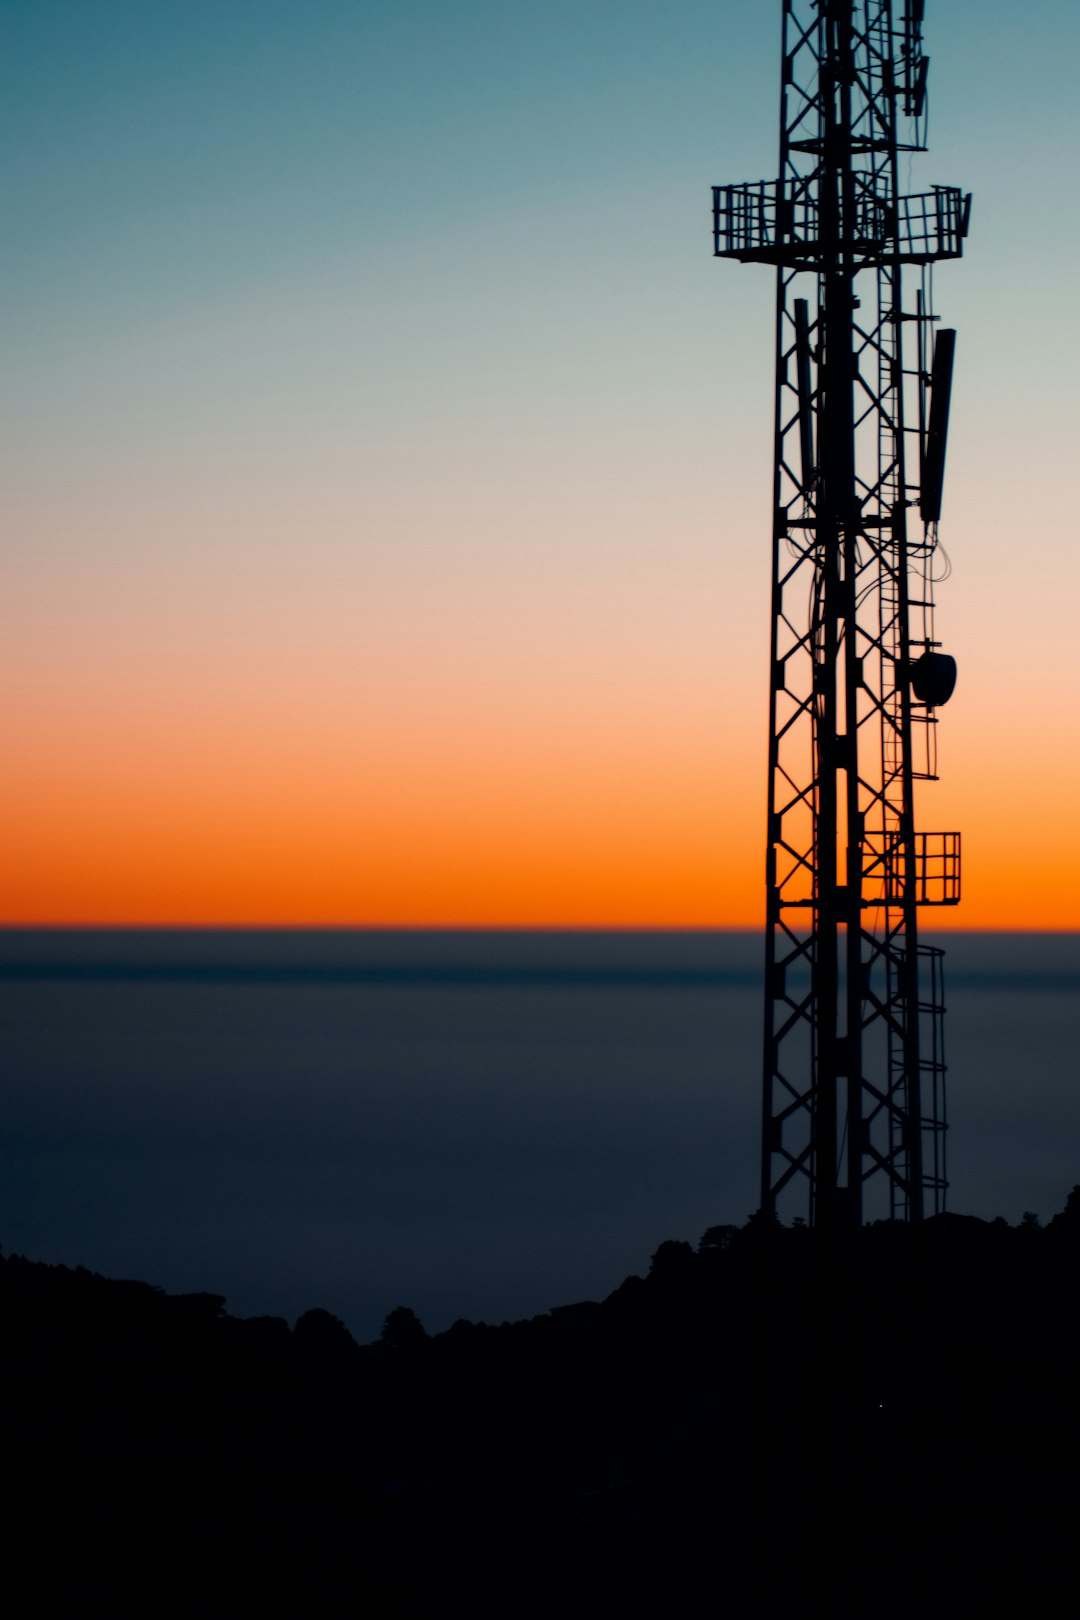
[387, 461]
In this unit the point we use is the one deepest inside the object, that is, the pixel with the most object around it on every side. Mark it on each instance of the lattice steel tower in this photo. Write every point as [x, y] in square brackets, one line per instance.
[854, 1076]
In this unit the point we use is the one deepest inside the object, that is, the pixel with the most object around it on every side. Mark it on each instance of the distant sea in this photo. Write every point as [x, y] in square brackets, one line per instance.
[477, 1125]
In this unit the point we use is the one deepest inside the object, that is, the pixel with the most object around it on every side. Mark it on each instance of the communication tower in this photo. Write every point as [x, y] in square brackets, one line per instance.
[854, 1071]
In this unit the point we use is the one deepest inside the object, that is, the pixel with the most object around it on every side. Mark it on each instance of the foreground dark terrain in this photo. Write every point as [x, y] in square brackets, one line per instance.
[888, 1428]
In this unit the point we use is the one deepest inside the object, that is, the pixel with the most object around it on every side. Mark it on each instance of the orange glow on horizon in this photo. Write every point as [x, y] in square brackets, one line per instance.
[470, 834]
[185, 777]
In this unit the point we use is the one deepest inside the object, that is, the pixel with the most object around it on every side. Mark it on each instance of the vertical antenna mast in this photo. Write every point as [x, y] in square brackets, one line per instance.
[854, 1071]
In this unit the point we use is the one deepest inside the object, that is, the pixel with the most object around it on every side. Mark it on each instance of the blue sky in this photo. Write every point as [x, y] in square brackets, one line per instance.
[396, 327]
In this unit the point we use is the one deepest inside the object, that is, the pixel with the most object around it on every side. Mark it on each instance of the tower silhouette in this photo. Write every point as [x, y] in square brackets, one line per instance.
[854, 1064]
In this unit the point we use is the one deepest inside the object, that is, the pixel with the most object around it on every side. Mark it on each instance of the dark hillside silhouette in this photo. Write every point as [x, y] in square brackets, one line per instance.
[606, 1458]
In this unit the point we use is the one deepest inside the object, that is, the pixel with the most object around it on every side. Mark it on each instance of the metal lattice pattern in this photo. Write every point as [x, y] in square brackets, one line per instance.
[766, 223]
[854, 1057]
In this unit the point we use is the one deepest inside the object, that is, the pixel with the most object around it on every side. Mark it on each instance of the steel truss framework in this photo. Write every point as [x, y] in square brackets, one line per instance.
[854, 1072]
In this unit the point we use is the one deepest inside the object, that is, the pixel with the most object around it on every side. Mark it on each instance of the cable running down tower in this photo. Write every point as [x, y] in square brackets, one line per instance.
[854, 1067]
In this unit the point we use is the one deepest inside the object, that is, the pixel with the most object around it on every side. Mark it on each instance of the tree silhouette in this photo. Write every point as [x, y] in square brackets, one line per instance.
[403, 1329]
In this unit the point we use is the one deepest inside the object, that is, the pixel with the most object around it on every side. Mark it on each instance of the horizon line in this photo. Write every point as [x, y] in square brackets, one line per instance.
[102, 927]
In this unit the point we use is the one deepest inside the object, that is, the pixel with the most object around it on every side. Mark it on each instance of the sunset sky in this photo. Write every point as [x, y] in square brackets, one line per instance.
[386, 461]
